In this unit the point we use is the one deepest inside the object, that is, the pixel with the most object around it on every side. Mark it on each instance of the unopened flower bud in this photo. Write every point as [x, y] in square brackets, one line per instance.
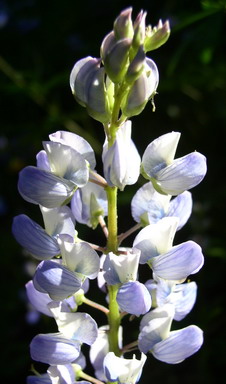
[142, 90]
[87, 82]
[80, 76]
[98, 105]
[139, 30]
[157, 36]
[136, 66]
[123, 26]
[116, 59]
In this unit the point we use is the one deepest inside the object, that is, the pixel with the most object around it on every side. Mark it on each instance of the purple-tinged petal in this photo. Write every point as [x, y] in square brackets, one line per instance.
[183, 174]
[56, 280]
[54, 349]
[160, 153]
[38, 299]
[61, 374]
[155, 326]
[179, 345]
[148, 206]
[181, 207]
[88, 203]
[121, 268]
[183, 298]
[180, 262]
[67, 163]
[80, 258]
[38, 186]
[75, 326]
[42, 379]
[58, 221]
[42, 161]
[156, 239]
[76, 142]
[121, 161]
[34, 238]
[133, 297]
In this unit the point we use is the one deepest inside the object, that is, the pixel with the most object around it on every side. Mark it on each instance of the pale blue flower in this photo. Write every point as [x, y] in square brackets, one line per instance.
[42, 243]
[132, 297]
[121, 161]
[171, 176]
[171, 347]
[61, 170]
[74, 326]
[123, 370]
[148, 206]
[182, 296]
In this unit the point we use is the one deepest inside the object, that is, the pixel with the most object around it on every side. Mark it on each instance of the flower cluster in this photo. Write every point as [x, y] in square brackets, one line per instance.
[68, 189]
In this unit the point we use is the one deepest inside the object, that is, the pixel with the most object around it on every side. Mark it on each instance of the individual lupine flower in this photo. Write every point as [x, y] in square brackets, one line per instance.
[87, 82]
[75, 326]
[42, 243]
[121, 161]
[132, 297]
[40, 300]
[79, 261]
[171, 176]
[78, 143]
[148, 206]
[61, 170]
[123, 370]
[88, 203]
[181, 296]
[171, 347]
[64, 347]
[167, 261]
[99, 350]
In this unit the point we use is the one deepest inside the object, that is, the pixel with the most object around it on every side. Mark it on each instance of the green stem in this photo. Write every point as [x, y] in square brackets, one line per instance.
[114, 319]
[112, 241]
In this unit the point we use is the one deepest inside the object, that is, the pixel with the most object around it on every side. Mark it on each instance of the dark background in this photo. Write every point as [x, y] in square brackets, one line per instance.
[40, 41]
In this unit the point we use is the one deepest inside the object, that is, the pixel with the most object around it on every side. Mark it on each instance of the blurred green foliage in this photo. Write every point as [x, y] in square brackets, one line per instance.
[40, 41]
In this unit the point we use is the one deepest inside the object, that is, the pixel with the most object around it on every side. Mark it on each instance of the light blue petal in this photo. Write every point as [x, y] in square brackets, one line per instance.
[54, 349]
[133, 297]
[58, 221]
[65, 162]
[155, 326]
[76, 142]
[62, 374]
[38, 186]
[179, 345]
[160, 153]
[180, 262]
[56, 280]
[42, 379]
[80, 258]
[34, 238]
[109, 272]
[183, 174]
[148, 206]
[181, 207]
[75, 326]
[42, 160]
[38, 299]
[183, 297]
[121, 161]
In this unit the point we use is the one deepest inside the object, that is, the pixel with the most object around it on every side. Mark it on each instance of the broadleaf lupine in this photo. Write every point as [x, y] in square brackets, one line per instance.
[112, 88]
